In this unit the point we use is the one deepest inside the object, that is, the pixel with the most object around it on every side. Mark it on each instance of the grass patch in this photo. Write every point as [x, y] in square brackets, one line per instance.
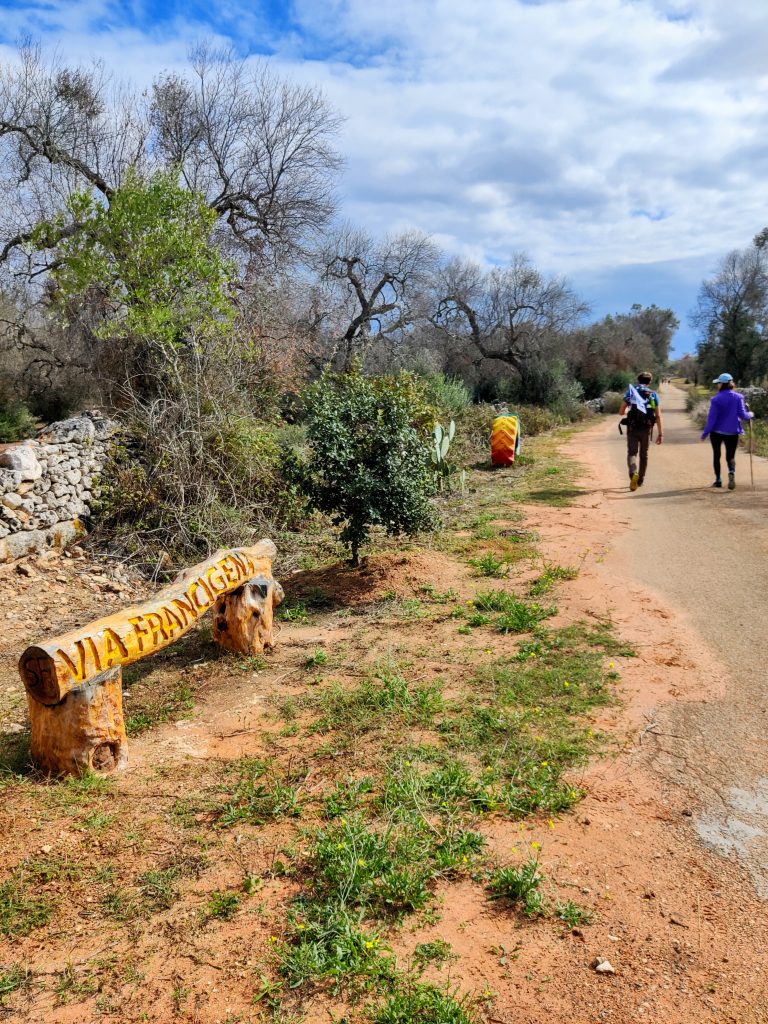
[258, 796]
[148, 708]
[223, 905]
[12, 979]
[383, 699]
[548, 477]
[552, 575]
[520, 886]
[513, 614]
[356, 877]
[23, 908]
[490, 565]
[427, 1004]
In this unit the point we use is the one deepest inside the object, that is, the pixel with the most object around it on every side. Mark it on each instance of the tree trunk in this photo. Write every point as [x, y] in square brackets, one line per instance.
[242, 620]
[85, 731]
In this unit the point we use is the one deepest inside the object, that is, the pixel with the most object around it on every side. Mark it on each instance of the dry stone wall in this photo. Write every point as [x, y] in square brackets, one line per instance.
[47, 485]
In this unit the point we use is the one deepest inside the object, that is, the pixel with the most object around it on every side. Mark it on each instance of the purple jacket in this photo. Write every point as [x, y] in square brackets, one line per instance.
[726, 412]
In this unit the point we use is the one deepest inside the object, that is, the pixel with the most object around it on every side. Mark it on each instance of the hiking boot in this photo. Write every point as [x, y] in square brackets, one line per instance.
[633, 482]
[731, 481]
[718, 483]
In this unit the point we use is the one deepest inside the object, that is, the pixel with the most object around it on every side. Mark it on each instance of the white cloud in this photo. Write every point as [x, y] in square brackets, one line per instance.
[596, 134]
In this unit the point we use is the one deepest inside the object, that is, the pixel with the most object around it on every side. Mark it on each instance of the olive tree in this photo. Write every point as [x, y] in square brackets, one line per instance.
[515, 315]
[371, 290]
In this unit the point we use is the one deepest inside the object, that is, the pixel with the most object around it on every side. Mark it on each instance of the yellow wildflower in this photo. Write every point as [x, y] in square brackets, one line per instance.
[535, 846]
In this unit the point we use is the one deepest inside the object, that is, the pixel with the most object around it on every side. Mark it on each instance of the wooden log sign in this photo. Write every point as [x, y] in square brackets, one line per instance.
[51, 669]
[74, 682]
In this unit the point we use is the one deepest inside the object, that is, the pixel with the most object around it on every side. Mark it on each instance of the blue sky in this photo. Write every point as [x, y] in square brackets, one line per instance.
[623, 143]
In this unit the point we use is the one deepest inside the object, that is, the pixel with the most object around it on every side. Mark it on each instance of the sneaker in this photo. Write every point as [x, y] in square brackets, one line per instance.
[633, 482]
[731, 481]
[640, 482]
[718, 483]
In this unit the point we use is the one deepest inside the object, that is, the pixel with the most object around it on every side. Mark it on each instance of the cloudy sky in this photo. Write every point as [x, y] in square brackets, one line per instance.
[623, 143]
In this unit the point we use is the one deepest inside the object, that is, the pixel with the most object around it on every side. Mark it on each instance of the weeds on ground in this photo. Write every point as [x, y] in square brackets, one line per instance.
[222, 905]
[552, 575]
[317, 659]
[513, 615]
[427, 1004]
[294, 610]
[258, 795]
[155, 707]
[12, 978]
[436, 952]
[520, 886]
[572, 914]
[386, 698]
[346, 796]
[489, 565]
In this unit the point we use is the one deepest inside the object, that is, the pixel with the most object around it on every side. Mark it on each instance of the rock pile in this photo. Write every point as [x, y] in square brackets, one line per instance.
[47, 484]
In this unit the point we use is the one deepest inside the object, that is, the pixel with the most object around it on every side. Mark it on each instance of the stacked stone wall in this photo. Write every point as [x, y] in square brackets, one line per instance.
[48, 484]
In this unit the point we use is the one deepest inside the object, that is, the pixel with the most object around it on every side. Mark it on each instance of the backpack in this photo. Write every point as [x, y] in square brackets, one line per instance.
[637, 420]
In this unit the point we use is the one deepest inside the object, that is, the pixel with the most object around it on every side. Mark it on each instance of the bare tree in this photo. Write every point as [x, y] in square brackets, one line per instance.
[258, 148]
[732, 315]
[512, 314]
[374, 290]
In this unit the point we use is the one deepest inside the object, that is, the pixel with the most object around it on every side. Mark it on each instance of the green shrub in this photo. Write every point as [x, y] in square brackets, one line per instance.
[16, 422]
[369, 463]
[449, 395]
[612, 401]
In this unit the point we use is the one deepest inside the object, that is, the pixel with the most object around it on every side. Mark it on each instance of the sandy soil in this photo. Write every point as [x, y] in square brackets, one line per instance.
[666, 848]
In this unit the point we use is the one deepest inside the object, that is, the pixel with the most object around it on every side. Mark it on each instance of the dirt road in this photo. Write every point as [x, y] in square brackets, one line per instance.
[705, 553]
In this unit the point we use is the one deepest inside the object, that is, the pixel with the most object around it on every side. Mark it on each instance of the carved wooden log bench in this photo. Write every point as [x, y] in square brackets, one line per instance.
[74, 681]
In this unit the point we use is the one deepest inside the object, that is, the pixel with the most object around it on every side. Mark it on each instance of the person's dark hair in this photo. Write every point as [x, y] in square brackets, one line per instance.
[644, 378]
[728, 385]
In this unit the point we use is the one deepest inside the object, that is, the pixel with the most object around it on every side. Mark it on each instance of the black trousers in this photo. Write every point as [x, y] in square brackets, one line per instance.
[637, 442]
[731, 442]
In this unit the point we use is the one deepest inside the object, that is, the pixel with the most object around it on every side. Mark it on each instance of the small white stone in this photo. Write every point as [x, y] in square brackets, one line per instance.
[604, 967]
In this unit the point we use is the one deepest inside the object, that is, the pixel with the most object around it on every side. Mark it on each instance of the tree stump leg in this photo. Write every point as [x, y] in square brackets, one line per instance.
[85, 731]
[243, 619]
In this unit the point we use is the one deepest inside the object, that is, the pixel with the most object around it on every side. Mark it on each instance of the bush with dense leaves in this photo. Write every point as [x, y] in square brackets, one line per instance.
[369, 463]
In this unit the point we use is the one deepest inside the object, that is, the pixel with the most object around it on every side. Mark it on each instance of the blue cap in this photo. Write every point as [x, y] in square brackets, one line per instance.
[724, 378]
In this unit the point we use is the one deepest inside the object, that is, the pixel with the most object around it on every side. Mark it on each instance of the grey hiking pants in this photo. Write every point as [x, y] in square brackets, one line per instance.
[637, 442]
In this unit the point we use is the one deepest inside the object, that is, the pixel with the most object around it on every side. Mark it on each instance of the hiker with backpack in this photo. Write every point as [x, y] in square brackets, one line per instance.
[727, 411]
[643, 413]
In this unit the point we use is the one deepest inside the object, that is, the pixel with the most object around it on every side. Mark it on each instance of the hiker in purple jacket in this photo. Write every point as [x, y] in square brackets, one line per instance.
[726, 413]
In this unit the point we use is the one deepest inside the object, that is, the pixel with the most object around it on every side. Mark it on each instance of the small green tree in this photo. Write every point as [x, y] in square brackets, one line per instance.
[370, 465]
[147, 263]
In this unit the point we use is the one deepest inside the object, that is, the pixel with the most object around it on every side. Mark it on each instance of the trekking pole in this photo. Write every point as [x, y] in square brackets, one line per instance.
[751, 467]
